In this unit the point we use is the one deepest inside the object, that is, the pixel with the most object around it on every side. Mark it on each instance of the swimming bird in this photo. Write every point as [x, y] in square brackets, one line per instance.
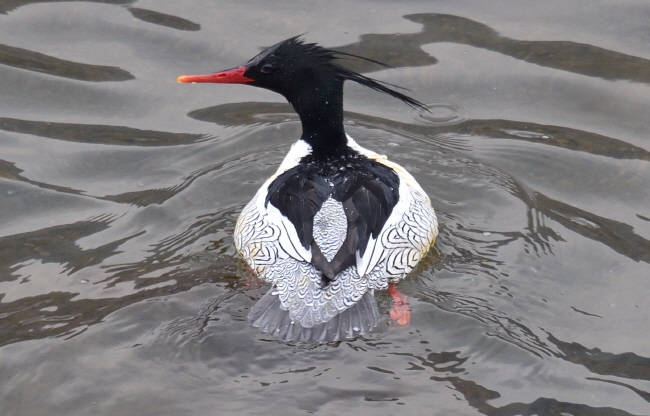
[336, 221]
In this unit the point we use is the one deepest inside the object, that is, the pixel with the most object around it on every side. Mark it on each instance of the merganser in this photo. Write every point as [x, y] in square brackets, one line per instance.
[336, 221]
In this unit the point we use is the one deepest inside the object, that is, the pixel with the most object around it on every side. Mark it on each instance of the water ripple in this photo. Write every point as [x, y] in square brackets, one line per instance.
[441, 114]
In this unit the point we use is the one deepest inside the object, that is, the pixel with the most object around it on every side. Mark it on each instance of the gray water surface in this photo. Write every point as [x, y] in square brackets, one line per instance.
[120, 291]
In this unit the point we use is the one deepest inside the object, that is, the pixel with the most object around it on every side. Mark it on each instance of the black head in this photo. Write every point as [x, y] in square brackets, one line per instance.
[297, 70]
[308, 77]
[294, 69]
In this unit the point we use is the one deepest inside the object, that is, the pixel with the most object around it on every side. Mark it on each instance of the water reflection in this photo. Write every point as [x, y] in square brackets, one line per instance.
[616, 235]
[10, 171]
[104, 135]
[63, 314]
[404, 49]
[55, 245]
[625, 365]
[38, 62]
[164, 260]
[450, 364]
[9, 5]
[478, 396]
[98, 134]
[160, 195]
[499, 324]
[163, 19]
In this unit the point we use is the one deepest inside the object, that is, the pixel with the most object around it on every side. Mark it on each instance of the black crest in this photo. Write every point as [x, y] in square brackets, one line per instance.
[295, 49]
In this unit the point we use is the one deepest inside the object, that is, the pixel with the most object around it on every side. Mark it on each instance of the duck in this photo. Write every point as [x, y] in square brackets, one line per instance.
[337, 221]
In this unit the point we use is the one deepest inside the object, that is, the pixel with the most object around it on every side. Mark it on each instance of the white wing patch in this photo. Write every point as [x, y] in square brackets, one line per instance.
[407, 236]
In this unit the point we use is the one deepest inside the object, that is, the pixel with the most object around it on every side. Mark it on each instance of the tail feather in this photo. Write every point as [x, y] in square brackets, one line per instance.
[267, 315]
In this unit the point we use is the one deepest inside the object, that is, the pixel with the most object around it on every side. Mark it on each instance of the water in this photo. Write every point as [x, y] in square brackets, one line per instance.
[120, 292]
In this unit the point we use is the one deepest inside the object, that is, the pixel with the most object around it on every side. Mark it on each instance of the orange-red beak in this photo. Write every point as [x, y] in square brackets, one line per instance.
[230, 76]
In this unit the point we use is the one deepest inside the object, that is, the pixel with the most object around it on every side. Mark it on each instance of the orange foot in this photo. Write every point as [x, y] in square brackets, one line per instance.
[251, 279]
[400, 315]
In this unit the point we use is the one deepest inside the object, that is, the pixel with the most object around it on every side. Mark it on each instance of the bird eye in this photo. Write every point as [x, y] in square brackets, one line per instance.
[267, 68]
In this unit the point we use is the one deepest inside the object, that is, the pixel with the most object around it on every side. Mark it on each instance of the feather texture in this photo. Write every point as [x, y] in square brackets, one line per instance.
[396, 240]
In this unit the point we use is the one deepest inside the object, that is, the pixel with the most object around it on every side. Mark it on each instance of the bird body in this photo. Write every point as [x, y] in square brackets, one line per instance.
[336, 221]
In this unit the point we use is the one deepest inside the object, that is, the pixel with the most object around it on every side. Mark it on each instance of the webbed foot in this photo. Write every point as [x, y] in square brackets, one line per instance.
[400, 314]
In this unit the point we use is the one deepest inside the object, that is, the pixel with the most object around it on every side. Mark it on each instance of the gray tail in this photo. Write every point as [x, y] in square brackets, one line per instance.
[270, 318]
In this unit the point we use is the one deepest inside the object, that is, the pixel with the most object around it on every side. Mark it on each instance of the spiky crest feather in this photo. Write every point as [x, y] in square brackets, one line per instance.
[296, 45]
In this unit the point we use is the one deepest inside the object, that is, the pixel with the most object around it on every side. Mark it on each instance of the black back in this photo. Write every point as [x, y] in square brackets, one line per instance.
[367, 189]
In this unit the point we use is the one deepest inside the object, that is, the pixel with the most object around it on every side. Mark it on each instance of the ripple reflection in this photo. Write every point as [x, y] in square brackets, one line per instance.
[441, 114]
